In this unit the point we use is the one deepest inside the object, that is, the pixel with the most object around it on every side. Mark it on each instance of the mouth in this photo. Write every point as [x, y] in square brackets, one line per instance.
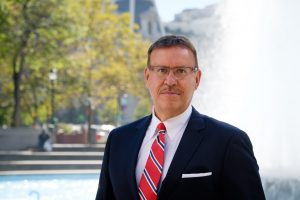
[169, 93]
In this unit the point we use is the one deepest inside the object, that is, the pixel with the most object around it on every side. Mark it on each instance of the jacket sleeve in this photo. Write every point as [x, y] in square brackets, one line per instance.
[105, 191]
[241, 179]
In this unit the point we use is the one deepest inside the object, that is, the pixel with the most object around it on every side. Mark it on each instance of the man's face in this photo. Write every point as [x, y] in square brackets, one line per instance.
[171, 96]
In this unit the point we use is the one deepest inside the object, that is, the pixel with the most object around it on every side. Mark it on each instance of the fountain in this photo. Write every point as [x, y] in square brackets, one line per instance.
[254, 83]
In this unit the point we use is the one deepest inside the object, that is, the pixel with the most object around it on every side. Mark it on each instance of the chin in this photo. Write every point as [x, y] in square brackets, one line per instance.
[170, 107]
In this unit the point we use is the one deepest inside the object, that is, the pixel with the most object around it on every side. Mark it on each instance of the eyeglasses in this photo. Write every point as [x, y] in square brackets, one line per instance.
[178, 72]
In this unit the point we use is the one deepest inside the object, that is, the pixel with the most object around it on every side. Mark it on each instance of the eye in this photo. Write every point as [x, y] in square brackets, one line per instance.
[181, 70]
[162, 70]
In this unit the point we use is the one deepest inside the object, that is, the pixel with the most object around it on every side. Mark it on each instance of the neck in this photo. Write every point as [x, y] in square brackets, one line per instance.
[164, 115]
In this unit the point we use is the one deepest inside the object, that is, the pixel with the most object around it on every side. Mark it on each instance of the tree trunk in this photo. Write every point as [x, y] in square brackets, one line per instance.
[17, 75]
[18, 69]
[16, 109]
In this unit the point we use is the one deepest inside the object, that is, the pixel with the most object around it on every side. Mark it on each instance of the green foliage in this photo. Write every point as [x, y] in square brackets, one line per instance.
[97, 56]
[110, 111]
[143, 107]
[64, 128]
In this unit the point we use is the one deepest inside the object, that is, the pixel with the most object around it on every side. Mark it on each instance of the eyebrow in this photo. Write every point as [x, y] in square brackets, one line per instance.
[169, 67]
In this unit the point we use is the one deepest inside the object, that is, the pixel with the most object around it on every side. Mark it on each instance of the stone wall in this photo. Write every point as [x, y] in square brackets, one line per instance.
[18, 138]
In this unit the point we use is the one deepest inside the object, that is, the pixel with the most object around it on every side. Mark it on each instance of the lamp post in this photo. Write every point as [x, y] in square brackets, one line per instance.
[132, 13]
[52, 78]
[90, 108]
[123, 105]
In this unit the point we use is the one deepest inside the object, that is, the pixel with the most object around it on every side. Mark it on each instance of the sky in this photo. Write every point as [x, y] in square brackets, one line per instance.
[168, 8]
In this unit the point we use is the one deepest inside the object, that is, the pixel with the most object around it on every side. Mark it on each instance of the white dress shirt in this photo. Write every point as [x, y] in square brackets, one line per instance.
[174, 130]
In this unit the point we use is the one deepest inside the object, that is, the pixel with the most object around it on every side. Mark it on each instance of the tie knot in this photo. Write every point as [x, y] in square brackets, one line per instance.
[161, 128]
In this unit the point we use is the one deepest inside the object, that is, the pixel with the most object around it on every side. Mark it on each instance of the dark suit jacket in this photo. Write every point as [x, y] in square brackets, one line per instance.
[207, 145]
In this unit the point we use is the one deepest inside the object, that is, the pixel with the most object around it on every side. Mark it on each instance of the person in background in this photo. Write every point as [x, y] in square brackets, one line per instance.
[44, 141]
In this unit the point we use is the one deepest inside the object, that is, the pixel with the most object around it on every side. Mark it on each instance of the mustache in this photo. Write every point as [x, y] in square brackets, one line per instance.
[170, 89]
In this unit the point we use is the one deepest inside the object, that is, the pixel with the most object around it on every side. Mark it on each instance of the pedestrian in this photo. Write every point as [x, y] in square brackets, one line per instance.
[44, 141]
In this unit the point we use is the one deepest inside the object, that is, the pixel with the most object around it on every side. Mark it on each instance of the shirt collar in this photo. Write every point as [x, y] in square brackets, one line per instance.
[174, 123]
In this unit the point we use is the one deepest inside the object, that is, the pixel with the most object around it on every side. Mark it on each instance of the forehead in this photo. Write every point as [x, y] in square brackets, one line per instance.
[172, 56]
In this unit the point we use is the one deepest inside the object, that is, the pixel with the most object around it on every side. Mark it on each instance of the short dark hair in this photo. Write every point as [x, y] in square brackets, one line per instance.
[171, 41]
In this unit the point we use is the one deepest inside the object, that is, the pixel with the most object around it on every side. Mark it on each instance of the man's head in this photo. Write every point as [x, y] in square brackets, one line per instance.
[172, 75]
[171, 41]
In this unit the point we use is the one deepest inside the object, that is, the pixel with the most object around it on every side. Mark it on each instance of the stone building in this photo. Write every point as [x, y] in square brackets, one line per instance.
[145, 15]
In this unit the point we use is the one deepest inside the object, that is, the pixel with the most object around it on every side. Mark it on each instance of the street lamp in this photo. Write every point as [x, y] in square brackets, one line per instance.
[132, 13]
[52, 78]
[90, 107]
[123, 105]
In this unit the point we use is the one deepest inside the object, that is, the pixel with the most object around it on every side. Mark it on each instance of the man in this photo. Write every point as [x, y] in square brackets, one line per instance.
[177, 153]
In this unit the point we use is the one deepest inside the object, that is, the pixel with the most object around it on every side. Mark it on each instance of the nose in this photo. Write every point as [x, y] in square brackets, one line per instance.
[171, 79]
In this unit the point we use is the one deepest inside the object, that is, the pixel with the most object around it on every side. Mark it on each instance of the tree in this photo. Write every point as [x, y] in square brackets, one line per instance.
[97, 55]
[109, 56]
[31, 32]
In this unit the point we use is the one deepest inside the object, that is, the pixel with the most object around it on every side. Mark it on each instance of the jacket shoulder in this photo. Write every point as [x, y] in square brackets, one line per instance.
[224, 130]
[212, 122]
[219, 128]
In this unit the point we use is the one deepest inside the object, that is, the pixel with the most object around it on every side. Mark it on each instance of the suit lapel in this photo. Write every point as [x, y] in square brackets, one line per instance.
[136, 142]
[189, 143]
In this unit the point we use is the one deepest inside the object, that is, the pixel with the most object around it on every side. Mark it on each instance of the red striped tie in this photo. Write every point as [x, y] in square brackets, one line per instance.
[152, 173]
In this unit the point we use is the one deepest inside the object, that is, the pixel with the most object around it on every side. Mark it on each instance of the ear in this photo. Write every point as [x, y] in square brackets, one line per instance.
[198, 78]
[146, 75]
